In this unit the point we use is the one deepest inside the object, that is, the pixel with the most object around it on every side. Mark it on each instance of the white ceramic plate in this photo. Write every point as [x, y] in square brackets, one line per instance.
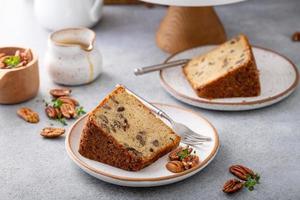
[193, 2]
[156, 174]
[278, 77]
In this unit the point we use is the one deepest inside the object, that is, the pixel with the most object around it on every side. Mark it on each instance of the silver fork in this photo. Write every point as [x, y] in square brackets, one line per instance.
[188, 136]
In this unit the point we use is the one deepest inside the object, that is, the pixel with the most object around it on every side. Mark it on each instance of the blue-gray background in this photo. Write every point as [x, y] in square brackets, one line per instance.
[266, 140]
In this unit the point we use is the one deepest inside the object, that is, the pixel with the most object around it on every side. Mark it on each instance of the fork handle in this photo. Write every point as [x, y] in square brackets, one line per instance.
[144, 70]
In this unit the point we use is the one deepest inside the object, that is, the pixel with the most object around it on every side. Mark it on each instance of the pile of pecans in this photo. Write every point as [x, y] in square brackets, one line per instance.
[182, 159]
[63, 106]
[19, 59]
[248, 177]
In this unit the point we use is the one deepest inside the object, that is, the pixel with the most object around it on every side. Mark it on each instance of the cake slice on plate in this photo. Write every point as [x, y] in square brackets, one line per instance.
[227, 71]
[124, 133]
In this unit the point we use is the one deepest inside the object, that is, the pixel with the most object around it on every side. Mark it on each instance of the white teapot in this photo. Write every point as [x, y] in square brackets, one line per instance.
[72, 58]
[58, 14]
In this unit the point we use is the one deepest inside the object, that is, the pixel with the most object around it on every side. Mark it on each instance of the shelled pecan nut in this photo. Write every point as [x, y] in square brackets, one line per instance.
[232, 186]
[68, 110]
[190, 161]
[175, 166]
[241, 172]
[174, 154]
[60, 92]
[28, 115]
[296, 37]
[51, 112]
[50, 132]
[69, 100]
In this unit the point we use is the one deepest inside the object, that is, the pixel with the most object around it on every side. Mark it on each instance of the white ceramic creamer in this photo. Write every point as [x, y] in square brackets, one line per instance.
[72, 58]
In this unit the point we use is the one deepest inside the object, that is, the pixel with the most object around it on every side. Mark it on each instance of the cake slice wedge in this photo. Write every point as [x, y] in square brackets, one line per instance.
[124, 133]
[227, 71]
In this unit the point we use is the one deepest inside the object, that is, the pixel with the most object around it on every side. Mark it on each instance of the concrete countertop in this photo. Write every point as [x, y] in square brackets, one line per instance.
[266, 140]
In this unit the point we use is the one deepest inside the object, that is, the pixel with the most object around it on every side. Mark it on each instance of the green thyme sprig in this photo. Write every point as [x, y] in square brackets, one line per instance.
[12, 61]
[252, 181]
[183, 154]
[62, 120]
[56, 103]
[80, 111]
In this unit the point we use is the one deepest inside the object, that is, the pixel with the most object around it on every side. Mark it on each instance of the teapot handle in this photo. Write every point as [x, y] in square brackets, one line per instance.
[95, 13]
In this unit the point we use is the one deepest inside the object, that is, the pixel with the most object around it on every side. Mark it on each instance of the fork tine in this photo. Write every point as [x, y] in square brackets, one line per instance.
[193, 143]
[193, 134]
[197, 137]
[193, 139]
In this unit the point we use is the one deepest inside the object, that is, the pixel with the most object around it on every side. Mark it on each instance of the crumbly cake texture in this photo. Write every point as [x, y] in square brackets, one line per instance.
[227, 71]
[124, 133]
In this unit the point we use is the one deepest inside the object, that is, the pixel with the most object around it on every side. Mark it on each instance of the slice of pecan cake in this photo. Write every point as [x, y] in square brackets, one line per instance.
[227, 71]
[124, 133]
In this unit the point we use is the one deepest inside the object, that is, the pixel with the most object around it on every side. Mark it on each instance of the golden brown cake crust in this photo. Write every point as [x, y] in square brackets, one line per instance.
[98, 145]
[242, 82]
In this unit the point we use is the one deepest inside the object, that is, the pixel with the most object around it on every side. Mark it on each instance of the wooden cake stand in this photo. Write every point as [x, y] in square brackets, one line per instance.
[190, 23]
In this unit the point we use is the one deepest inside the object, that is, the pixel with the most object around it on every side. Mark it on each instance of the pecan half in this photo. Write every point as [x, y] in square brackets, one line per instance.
[68, 110]
[50, 132]
[175, 166]
[28, 115]
[26, 55]
[51, 112]
[241, 172]
[174, 155]
[296, 37]
[190, 161]
[69, 100]
[60, 92]
[232, 186]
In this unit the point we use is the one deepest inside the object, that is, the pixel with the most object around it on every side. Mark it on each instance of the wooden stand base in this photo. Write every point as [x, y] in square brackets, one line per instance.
[187, 27]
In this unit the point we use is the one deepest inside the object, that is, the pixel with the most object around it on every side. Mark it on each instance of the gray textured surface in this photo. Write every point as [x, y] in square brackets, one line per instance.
[266, 140]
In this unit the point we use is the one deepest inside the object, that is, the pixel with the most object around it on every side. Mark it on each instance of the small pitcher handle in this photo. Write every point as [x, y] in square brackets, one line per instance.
[95, 13]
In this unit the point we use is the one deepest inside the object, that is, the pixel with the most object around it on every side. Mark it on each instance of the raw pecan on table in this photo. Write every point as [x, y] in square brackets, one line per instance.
[68, 100]
[232, 186]
[68, 110]
[60, 92]
[296, 37]
[28, 115]
[50, 132]
[241, 172]
[51, 112]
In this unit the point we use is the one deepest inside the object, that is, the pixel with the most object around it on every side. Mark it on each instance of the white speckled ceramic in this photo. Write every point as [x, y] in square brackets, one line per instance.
[155, 174]
[278, 77]
[70, 63]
